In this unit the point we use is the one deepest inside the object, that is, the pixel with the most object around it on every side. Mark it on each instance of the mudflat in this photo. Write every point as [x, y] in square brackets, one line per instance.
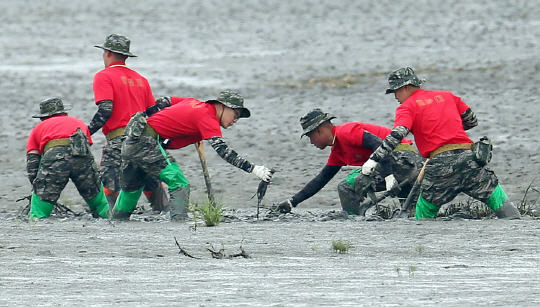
[285, 59]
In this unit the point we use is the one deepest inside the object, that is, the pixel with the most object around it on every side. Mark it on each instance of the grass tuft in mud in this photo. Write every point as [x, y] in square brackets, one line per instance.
[210, 212]
[341, 246]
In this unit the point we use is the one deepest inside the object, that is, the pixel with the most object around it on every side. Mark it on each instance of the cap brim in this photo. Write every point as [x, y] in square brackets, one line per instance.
[245, 113]
[129, 54]
[389, 91]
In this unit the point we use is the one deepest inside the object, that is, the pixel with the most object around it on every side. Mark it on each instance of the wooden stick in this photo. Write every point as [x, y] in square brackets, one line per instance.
[200, 150]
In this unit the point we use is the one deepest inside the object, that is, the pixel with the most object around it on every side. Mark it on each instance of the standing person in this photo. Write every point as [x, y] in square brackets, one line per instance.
[186, 121]
[119, 93]
[58, 149]
[438, 120]
[352, 144]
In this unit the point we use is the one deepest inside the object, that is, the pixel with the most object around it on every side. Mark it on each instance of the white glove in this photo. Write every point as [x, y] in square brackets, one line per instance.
[390, 182]
[262, 172]
[368, 167]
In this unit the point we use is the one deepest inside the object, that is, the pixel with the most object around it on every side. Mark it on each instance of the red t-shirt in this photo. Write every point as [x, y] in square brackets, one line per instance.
[186, 121]
[56, 127]
[129, 91]
[434, 117]
[348, 149]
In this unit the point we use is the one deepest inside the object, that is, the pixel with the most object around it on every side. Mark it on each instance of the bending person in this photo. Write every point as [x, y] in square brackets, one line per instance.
[186, 121]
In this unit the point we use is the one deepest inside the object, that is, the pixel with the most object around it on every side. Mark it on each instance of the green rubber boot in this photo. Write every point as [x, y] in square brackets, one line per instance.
[125, 204]
[179, 202]
[425, 209]
[99, 205]
[504, 208]
[39, 208]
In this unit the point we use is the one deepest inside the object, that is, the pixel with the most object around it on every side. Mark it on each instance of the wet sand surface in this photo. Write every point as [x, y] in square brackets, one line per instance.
[285, 59]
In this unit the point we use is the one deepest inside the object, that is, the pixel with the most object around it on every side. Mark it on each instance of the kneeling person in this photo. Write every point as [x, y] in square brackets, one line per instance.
[181, 121]
[352, 144]
[58, 149]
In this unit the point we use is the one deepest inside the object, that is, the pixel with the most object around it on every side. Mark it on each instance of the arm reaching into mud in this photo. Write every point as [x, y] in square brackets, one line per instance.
[315, 185]
[469, 119]
[104, 112]
[229, 155]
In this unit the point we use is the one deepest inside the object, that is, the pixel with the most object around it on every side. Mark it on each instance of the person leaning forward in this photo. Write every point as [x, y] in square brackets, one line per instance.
[352, 144]
[183, 121]
[119, 93]
[58, 149]
[438, 120]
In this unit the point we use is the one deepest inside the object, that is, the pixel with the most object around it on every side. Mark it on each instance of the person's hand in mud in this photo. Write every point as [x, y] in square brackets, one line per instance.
[284, 206]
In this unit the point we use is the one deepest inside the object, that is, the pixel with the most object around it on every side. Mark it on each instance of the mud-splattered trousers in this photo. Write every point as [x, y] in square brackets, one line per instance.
[403, 164]
[455, 171]
[110, 169]
[143, 158]
[56, 168]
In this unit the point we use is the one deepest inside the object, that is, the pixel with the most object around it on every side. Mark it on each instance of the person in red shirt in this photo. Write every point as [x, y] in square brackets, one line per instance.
[352, 144]
[183, 121]
[58, 149]
[120, 92]
[438, 120]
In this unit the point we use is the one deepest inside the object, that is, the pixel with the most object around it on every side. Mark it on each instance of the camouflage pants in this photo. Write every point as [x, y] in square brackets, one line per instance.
[455, 171]
[141, 159]
[403, 164]
[58, 166]
[110, 167]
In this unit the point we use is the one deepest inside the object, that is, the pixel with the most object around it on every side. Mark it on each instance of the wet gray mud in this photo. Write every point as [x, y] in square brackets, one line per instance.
[285, 59]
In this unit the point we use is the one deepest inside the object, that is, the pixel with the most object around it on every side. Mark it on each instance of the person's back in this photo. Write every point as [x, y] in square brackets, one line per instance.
[186, 122]
[129, 91]
[58, 149]
[57, 127]
[435, 119]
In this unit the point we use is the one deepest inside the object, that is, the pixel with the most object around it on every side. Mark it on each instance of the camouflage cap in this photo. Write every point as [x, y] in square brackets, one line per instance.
[232, 100]
[51, 106]
[401, 77]
[117, 44]
[313, 119]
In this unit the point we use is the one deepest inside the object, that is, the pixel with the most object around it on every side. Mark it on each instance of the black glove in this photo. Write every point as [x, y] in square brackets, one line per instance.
[151, 110]
[284, 206]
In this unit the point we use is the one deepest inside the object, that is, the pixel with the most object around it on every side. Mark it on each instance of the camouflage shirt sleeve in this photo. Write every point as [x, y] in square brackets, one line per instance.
[316, 184]
[32, 166]
[161, 103]
[229, 154]
[104, 112]
[390, 143]
[469, 119]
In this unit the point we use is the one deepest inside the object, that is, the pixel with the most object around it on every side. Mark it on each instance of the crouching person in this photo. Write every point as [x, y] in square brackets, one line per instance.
[439, 120]
[180, 121]
[58, 149]
[352, 144]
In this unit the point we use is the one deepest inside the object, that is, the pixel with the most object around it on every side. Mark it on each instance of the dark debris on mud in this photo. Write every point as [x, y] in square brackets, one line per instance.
[472, 210]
